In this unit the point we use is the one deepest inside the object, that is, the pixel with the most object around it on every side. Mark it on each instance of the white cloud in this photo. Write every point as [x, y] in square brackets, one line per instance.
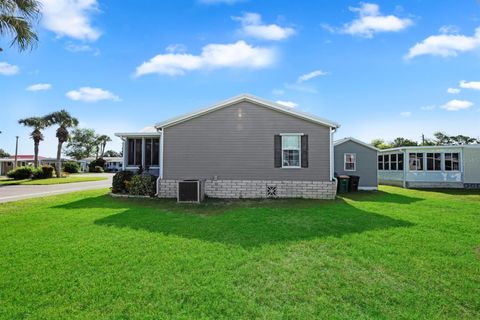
[449, 29]
[371, 21]
[405, 114]
[236, 55]
[445, 45]
[311, 75]
[455, 105]
[288, 104]
[428, 108]
[70, 18]
[475, 85]
[453, 90]
[7, 69]
[72, 47]
[176, 48]
[39, 87]
[278, 92]
[89, 94]
[252, 26]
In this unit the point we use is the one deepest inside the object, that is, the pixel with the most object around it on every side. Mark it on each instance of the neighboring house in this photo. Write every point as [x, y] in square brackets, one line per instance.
[430, 166]
[7, 164]
[354, 157]
[243, 147]
[112, 164]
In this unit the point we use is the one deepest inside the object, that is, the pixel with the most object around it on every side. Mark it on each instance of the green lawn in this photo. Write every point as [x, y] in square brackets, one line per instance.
[389, 254]
[4, 182]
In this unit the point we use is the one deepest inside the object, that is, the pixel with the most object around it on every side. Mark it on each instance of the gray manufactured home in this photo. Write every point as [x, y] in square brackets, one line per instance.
[354, 157]
[430, 167]
[244, 147]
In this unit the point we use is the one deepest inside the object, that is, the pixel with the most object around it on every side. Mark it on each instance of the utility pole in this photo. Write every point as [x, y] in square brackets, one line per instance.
[16, 152]
[423, 139]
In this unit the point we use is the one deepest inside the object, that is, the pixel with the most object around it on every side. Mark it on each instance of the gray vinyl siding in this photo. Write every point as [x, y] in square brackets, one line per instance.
[366, 162]
[471, 159]
[237, 143]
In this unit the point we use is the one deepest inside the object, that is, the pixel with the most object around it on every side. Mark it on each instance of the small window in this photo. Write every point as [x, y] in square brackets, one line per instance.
[400, 161]
[134, 152]
[416, 161]
[291, 151]
[380, 162]
[350, 162]
[434, 162]
[452, 162]
[386, 162]
[393, 162]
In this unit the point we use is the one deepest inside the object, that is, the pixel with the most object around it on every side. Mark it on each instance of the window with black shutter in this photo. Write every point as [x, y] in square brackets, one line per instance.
[291, 151]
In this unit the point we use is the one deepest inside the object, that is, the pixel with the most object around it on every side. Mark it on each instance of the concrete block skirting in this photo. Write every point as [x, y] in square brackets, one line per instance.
[254, 189]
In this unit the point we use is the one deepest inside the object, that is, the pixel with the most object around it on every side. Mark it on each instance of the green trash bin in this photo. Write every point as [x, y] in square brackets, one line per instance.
[343, 184]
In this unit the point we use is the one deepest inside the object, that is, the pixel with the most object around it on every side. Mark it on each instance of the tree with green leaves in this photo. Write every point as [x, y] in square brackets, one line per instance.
[82, 143]
[64, 121]
[380, 144]
[102, 143]
[4, 154]
[112, 153]
[17, 19]
[442, 139]
[403, 142]
[37, 124]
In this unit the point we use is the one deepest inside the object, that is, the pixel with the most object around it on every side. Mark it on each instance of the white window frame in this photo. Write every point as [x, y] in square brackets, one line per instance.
[345, 161]
[444, 162]
[299, 150]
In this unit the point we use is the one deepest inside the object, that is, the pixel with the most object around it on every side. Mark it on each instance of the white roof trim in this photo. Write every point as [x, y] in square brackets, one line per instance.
[433, 147]
[137, 134]
[249, 98]
[338, 142]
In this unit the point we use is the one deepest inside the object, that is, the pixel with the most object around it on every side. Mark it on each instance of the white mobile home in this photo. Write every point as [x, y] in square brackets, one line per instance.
[430, 166]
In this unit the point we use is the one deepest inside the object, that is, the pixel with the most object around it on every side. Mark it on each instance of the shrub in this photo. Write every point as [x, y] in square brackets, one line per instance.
[119, 181]
[71, 167]
[20, 173]
[37, 173]
[98, 169]
[96, 163]
[47, 171]
[143, 185]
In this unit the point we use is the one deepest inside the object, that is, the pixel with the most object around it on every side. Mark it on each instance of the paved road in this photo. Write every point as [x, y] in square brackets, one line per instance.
[14, 193]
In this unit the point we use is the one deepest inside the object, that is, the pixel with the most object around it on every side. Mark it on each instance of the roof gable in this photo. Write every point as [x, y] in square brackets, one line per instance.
[253, 100]
[341, 141]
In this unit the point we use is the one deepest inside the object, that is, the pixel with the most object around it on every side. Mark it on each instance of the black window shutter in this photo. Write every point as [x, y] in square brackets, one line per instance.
[278, 151]
[305, 151]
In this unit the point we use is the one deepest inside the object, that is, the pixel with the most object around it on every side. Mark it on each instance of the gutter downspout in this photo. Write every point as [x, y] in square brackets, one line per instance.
[332, 178]
[160, 169]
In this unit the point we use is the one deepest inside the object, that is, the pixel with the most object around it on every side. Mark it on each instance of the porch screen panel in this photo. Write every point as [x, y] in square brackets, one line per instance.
[138, 152]
[155, 152]
[131, 152]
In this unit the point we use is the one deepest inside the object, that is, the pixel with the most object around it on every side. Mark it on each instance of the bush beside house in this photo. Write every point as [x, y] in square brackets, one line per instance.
[125, 182]
[71, 167]
[92, 166]
[28, 172]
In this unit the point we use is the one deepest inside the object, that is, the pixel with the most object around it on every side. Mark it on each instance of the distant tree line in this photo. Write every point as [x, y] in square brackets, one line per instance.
[440, 139]
[85, 143]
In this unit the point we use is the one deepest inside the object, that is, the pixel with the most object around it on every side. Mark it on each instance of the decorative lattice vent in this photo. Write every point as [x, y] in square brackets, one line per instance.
[271, 191]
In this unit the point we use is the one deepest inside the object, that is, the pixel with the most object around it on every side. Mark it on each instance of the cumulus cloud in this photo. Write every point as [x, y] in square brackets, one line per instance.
[428, 108]
[311, 75]
[449, 29]
[445, 45]
[456, 105]
[288, 104]
[370, 21]
[475, 85]
[213, 56]
[39, 87]
[7, 69]
[89, 94]
[405, 114]
[252, 26]
[70, 18]
[453, 90]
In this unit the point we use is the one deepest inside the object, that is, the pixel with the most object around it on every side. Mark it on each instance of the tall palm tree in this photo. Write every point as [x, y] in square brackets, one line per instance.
[38, 124]
[16, 19]
[64, 121]
[102, 141]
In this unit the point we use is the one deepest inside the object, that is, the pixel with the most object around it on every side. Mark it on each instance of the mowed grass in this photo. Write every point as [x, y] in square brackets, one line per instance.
[49, 181]
[389, 254]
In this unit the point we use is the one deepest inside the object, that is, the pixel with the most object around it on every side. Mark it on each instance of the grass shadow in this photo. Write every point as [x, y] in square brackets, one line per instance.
[247, 223]
[380, 197]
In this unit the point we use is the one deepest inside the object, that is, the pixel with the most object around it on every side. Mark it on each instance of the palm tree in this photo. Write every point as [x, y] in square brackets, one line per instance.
[64, 121]
[16, 19]
[102, 141]
[38, 124]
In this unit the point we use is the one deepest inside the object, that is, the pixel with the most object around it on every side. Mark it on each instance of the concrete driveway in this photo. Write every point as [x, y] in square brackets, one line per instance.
[14, 193]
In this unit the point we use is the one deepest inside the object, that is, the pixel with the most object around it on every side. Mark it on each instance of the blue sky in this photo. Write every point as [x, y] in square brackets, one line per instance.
[380, 69]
